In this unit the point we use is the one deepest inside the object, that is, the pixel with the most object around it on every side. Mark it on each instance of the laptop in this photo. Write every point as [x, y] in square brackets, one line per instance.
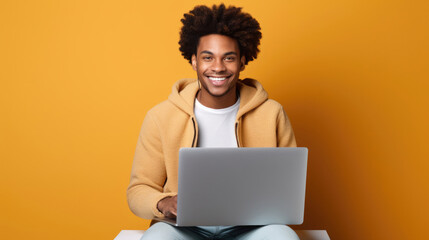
[240, 186]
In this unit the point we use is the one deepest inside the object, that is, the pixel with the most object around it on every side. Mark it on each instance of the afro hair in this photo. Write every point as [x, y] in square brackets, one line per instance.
[229, 21]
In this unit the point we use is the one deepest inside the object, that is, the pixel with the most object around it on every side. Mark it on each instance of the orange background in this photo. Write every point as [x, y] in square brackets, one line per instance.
[77, 78]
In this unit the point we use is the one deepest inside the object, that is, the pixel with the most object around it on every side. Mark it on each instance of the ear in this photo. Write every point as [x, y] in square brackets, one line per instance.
[194, 62]
[243, 63]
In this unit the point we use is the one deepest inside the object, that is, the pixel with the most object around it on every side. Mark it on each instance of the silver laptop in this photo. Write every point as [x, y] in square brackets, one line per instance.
[241, 186]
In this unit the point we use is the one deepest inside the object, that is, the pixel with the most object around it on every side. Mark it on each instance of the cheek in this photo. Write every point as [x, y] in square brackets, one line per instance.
[201, 68]
[235, 68]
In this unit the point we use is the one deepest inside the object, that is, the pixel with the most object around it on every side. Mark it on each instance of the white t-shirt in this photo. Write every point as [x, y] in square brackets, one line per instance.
[216, 127]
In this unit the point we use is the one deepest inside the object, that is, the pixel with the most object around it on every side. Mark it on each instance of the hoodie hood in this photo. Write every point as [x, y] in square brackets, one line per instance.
[252, 94]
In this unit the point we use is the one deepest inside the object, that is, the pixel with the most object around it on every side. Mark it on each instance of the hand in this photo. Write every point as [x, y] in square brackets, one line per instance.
[168, 206]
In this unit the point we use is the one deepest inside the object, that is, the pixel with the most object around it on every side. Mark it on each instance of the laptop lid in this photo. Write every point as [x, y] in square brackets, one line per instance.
[241, 186]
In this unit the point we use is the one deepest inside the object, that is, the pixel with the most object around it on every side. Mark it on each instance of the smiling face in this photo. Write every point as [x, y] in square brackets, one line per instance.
[218, 65]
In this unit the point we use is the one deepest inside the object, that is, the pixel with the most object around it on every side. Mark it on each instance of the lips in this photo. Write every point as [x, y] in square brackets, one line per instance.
[218, 80]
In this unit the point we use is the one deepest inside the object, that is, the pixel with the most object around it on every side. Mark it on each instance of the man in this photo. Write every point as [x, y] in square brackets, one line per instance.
[216, 110]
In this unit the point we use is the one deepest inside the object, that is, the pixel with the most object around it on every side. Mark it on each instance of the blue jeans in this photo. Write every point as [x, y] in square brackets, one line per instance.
[166, 231]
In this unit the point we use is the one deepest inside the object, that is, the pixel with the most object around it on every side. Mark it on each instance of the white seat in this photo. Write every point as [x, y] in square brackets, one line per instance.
[303, 235]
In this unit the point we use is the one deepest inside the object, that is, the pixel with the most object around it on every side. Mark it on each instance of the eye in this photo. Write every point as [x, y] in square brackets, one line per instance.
[230, 58]
[207, 58]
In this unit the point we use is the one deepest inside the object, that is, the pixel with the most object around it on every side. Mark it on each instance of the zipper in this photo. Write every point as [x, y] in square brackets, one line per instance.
[236, 134]
[194, 144]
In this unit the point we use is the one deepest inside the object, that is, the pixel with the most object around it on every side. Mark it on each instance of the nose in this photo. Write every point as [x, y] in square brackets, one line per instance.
[218, 66]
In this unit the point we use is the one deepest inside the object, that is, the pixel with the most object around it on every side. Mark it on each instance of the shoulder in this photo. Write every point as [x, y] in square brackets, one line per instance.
[163, 110]
[271, 105]
[269, 109]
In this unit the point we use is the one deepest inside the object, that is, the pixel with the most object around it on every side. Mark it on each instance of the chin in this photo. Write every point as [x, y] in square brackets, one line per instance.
[219, 94]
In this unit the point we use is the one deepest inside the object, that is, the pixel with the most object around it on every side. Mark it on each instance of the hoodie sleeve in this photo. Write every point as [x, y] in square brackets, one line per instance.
[285, 135]
[148, 173]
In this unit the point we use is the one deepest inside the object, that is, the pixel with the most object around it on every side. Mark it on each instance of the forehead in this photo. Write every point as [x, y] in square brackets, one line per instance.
[217, 44]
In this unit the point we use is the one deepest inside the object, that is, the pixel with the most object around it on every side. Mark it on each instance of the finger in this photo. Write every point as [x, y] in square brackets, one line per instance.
[171, 214]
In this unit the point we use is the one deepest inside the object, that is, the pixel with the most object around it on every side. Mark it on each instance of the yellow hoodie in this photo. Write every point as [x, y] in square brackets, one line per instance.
[171, 125]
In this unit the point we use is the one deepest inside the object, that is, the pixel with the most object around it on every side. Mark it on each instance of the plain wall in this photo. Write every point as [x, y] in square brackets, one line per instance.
[77, 78]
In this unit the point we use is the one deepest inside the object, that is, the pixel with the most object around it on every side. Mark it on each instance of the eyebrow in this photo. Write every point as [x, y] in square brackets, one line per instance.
[226, 54]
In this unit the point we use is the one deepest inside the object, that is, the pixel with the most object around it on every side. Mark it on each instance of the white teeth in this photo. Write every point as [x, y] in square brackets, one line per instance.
[217, 78]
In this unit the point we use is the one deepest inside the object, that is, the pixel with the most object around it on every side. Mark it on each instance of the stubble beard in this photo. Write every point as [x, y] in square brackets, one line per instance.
[216, 95]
